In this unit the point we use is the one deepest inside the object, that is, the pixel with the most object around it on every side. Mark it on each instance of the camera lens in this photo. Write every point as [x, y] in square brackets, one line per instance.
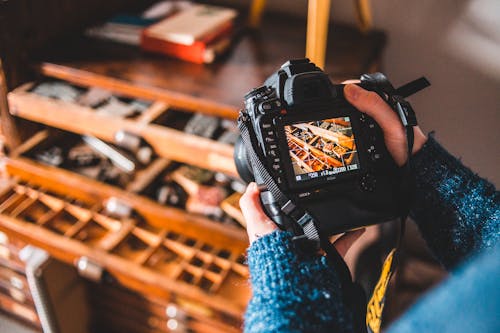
[241, 160]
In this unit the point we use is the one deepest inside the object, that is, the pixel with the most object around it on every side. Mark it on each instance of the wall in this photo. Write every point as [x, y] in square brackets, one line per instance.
[463, 104]
[456, 44]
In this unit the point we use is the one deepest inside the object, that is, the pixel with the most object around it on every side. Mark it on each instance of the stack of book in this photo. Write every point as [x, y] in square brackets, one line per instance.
[198, 34]
[126, 28]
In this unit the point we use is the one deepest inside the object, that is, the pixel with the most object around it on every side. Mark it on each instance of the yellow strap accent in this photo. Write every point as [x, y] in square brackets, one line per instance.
[375, 306]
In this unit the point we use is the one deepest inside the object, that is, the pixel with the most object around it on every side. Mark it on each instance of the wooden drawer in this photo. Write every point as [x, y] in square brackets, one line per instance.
[9, 252]
[20, 310]
[15, 294]
[136, 191]
[168, 254]
[167, 141]
[15, 284]
[111, 304]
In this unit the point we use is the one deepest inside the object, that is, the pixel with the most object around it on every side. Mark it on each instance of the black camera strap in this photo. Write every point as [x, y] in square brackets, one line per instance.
[305, 231]
[395, 99]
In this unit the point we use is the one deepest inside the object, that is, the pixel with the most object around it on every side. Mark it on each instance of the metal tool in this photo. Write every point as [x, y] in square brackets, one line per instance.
[117, 158]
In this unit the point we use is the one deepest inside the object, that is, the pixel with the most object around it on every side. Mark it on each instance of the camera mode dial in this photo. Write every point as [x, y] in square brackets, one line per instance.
[257, 92]
[270, 105]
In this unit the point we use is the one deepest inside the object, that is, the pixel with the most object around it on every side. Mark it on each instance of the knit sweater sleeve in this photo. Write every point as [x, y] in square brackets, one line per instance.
[456, 211]
[292, 291]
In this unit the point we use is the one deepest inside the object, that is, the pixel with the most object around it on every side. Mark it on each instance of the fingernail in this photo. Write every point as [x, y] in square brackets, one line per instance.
[352, 91]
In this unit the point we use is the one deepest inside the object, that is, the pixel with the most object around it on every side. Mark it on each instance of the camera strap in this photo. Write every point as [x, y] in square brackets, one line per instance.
[395, 99]
[306, 234]
[305, 230]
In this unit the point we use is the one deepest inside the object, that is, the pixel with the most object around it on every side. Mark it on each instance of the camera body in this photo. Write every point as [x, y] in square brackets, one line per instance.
[322, 152]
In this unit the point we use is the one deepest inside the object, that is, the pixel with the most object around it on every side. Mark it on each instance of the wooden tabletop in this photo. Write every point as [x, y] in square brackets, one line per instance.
[221, 85]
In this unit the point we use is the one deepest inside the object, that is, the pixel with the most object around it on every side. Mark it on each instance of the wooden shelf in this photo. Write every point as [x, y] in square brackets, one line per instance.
[217, 88]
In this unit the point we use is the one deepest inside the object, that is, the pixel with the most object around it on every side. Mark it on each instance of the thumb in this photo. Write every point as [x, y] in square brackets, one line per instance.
[251, 206]
[373, 105]
[258, 223]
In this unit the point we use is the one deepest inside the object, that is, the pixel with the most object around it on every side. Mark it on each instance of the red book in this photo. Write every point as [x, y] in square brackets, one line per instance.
[201, 51]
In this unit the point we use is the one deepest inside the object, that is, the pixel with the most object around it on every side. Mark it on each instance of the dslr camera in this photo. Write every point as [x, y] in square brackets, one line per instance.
[315, 157]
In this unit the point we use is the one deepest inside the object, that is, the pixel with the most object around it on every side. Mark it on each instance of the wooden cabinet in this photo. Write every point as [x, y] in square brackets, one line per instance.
[156, 258]
[15, 295]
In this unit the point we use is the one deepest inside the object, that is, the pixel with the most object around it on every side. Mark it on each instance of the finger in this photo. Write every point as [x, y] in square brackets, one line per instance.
[344, 243]
[351, 81]
[371, 104]
[252, 208]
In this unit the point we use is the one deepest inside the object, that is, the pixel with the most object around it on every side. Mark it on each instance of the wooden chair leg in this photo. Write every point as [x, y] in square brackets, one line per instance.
[256, 11]
[364, 13]
[318, 16]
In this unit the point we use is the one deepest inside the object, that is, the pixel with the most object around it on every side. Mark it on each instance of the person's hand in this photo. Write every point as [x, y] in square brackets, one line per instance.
[395, 140]
[259, 224]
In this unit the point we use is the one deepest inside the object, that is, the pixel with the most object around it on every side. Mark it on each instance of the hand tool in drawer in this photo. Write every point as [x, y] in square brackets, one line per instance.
[196, 190]
[102, 100]
[90, 157]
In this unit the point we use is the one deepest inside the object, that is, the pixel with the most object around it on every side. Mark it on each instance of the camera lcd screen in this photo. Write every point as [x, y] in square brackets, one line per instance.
[322, 148]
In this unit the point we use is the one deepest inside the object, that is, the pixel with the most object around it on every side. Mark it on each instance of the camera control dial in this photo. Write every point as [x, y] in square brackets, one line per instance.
[368, 182]
[257, 92]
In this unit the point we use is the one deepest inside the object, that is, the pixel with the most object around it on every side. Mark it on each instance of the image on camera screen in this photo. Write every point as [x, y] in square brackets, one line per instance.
[322, 148]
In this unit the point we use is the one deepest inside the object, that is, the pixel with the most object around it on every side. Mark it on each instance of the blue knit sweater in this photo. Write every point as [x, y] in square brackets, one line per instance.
[457, 213]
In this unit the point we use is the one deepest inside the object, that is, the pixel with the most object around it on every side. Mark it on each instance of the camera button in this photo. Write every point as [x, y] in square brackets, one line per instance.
[265, 106]
[256, 92]
[368, 182]
[272, 153]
